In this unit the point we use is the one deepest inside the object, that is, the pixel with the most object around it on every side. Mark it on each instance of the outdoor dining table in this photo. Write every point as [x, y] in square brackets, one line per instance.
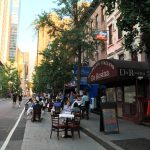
[67, 116]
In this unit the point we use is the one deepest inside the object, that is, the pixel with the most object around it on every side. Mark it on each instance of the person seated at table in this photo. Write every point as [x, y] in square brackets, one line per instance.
[57, 102]
[77, 100]
[29, 106]
[37, 107]
[67, 107]
[76, 108]
[56, 106]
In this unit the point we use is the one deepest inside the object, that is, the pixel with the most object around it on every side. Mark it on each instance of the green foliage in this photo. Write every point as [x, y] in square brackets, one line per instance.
[55, 69]
[133, 12]
[69, 42]
[3, 82]
[9, 79]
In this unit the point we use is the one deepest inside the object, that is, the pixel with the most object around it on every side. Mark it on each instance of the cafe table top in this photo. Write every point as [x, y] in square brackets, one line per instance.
[66, 115]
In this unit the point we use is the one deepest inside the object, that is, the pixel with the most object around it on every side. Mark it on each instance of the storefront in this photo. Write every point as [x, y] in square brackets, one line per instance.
[126, 84]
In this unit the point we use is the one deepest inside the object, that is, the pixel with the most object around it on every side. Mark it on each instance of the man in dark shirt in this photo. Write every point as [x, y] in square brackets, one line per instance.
[36, 111]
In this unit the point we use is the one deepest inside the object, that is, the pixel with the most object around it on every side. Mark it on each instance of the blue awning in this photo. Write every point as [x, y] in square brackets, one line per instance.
[85, 70]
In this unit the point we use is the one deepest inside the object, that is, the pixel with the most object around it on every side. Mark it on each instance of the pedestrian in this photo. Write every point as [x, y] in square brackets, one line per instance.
[20, 99]
[85, 105]
[14, 97]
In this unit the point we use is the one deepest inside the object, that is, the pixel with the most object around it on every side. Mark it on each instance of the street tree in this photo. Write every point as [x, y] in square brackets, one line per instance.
[54, 70]
[3, 82]
[135, 21]
[9, 79]
[74, 38]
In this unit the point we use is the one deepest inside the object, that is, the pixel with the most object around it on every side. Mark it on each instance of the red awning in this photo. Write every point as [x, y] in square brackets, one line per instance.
[111, 70]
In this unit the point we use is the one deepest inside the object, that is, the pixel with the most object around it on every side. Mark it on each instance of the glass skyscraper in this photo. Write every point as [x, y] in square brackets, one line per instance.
[14, 21]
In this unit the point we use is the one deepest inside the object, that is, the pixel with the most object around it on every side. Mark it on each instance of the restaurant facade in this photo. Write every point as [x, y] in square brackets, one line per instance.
[126, 84]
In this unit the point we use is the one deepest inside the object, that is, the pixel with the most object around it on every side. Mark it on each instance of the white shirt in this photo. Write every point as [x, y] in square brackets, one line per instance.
[76, 101]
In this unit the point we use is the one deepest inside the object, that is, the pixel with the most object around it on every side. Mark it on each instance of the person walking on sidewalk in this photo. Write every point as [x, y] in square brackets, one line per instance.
[14, 97]
[85, 105]
[20, 99]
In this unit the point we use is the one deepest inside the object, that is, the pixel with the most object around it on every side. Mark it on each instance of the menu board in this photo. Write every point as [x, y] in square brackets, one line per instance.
[110, 120]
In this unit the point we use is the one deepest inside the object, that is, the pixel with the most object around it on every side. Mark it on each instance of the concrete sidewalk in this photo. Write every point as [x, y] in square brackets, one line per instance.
[131, 136]
[37, 137]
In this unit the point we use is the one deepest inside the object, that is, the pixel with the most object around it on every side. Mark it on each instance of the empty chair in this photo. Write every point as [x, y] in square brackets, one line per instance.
[56, 126]
[75, 124]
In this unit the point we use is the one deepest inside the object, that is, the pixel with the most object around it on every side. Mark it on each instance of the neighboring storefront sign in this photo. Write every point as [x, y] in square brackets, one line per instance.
[100, 35]
[109, 113]
[110, 68]
[110, 121]
[102, 70]
[129, 72]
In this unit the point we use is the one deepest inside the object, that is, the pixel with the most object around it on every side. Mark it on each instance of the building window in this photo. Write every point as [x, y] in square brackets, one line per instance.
[121, 56]
[102, 14]
[134, 56]
[129, 94]
[110, 34]
[96, 21]
[111, 97]
[119, 30]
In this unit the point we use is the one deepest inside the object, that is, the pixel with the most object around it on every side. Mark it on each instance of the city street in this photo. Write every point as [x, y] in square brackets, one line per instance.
[29, 135]
[8, 118]
[36, 134]
[37, 137]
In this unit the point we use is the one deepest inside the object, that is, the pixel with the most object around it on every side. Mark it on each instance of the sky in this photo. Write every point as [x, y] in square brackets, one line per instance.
[30, 9]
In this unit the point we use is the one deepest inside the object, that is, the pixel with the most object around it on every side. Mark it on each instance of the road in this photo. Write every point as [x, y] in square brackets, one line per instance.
[8, 117]
[26, 137]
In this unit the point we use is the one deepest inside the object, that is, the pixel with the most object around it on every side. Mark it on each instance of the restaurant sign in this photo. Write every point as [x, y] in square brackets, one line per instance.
[103, 69]
[108, 69]
[129, 72]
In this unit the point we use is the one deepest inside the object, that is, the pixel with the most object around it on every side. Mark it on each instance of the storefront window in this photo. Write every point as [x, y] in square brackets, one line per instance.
[110, 92]
[129, 94]
[119, 94]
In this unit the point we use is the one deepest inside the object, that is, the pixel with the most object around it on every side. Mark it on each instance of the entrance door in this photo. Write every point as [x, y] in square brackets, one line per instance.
[119, 96]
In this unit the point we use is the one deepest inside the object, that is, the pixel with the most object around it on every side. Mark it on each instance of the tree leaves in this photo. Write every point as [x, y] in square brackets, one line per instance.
[133, 13]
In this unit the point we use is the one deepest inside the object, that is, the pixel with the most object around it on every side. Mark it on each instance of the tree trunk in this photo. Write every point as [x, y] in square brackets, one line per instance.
[76, 25]
[79, 69]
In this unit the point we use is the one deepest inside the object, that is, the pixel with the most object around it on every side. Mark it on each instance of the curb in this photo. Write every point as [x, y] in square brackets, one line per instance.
[104, 142]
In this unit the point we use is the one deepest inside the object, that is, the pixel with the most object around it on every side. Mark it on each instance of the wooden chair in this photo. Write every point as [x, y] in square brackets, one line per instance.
[56, 125]
[75, 124]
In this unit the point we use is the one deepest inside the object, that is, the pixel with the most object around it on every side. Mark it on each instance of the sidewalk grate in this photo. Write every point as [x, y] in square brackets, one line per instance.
[101, 142]
[134, 144]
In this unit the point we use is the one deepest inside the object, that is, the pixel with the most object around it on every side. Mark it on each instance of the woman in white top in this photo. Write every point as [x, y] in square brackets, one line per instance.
[67, 107]
[77, 100]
